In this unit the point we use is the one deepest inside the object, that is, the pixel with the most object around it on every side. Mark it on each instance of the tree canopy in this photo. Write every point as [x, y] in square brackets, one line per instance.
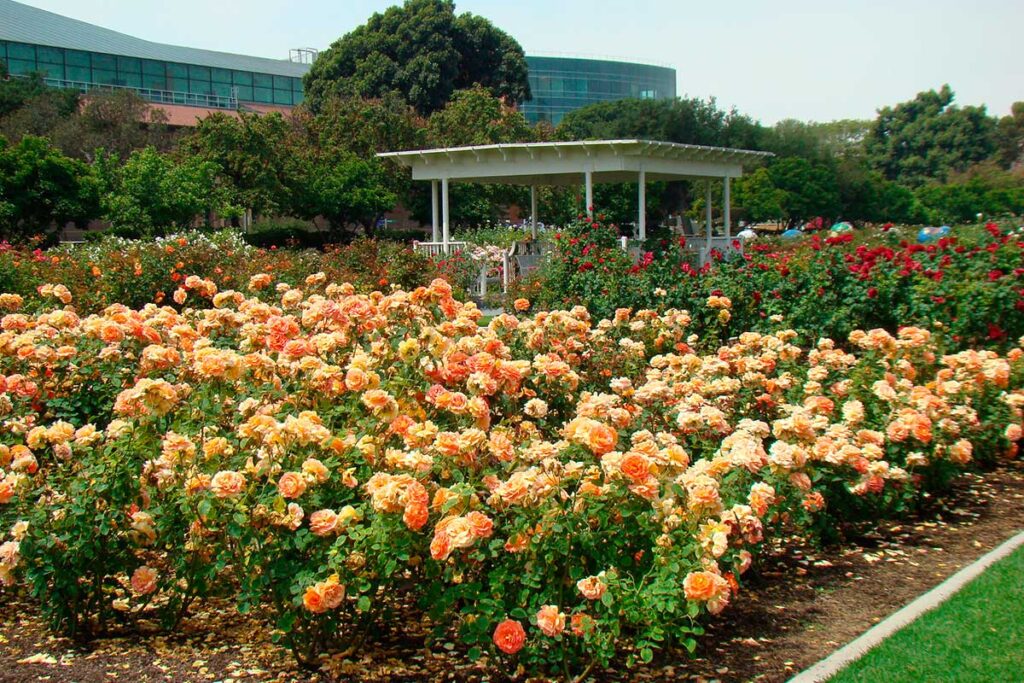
[928, 137]
[423, 51]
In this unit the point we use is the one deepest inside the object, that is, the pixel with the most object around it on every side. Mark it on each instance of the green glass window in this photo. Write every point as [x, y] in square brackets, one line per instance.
[129, 65]
[199, 73]
[283, 97]
[296, 85]
[154, 82]
[21, 51]
[282, 83]
[50, 55]
[3, 50]
[106, 62]
[105, 76]
[262, 81]
[20, 66]
[222, 89]
[153, 68]
[77, 58]
[131, 80]
[245, 93]
[52, 70]
[299, 97]
[177, 70]
[221, 76]
[79, 73]
[199, 87]
[243, 78]
[263, 95]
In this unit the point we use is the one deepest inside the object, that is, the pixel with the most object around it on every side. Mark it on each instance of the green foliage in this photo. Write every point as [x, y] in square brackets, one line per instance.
[929, 137]
[984, 189]
[248, 153]
[423, 51]
[151, 192]
[41, 189]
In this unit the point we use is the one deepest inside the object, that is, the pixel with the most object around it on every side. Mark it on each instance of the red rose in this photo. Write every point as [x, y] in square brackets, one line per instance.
[509, 636]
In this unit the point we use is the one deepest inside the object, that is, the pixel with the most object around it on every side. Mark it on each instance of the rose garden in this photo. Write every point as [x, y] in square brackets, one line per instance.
[337, 437]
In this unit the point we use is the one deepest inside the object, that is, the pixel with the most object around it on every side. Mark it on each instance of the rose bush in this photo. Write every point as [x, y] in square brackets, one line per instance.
[114, 270]
[553, 489]
[824, 285]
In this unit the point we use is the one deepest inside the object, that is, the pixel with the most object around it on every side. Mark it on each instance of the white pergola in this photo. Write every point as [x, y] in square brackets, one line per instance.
[569, 163]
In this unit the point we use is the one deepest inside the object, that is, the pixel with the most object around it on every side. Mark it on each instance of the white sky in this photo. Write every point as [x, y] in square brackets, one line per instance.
[818, 60]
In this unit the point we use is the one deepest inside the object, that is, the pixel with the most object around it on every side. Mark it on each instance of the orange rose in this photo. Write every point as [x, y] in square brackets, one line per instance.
[144, 581]
[313, 600]
[509, 636]
[291, 485]
[704, 585]
[601, 438]
[521, 305]
[323, 522]
[550, 621]
[581, 623]
[481, 524]
[636, 467]
[592, 587]
[227, 483]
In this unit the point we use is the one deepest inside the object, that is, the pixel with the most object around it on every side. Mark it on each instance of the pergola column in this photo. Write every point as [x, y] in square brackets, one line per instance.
[641, 223]
[444, 208]
[533, 210]
[708, 215]
[588, 182]
[726, 210]
[435, 226]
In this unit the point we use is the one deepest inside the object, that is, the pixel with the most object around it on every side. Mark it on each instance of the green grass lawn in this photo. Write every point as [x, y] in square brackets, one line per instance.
[977, 635]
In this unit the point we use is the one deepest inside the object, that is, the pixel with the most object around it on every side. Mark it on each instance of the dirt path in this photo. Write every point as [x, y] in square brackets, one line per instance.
[802, 606]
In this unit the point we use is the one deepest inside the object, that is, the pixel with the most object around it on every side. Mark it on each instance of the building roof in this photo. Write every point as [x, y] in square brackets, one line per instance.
[563, 163]
[23, 24]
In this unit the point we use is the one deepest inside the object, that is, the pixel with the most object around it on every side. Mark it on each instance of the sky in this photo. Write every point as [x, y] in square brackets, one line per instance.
[816, 61]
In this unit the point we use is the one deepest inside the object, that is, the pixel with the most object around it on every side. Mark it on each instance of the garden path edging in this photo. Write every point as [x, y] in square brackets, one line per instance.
[858, 647]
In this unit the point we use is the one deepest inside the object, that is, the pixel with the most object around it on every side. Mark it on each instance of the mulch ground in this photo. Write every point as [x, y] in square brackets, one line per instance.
[803, 604]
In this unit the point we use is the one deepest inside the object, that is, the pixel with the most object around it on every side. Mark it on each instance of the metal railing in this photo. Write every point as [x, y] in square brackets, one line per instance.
[150, 94]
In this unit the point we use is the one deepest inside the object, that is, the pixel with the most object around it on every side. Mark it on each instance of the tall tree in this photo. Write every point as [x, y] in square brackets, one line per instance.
[118, 122]
[151, 192]
[249, 151]
[1010, 136]
[928, 137]
[423, 51]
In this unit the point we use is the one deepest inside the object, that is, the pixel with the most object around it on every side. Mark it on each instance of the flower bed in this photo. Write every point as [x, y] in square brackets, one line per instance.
[824, 285]
[134, 273]
[557, 491]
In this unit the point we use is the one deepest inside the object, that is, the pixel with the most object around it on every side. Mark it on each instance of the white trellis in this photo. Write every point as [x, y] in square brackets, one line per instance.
[570, 163]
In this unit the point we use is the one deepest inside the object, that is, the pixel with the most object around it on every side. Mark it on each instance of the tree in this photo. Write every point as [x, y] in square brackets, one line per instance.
[152, 192]
[118, 121]
[474, 117]
[365, 127]
[40, 188]
[16, 92]
[249, 151]
[928, 137]
[757, 198]
[808, 189]
[1010, 136]
[341, 187]
[424, 52]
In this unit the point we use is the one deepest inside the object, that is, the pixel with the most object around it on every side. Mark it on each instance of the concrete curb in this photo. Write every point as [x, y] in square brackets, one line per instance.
[854, 650]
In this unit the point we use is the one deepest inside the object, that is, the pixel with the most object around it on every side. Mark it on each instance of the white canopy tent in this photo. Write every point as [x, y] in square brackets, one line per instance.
[569, 163]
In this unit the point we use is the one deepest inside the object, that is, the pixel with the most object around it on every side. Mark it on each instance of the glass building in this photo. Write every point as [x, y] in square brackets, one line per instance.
[76, 54]
[561, 84]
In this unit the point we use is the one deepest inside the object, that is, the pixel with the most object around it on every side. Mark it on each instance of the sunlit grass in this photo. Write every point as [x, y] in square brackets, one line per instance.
[977, 635]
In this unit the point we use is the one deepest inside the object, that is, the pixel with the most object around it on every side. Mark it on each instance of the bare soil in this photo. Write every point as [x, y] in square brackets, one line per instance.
[802, 605]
